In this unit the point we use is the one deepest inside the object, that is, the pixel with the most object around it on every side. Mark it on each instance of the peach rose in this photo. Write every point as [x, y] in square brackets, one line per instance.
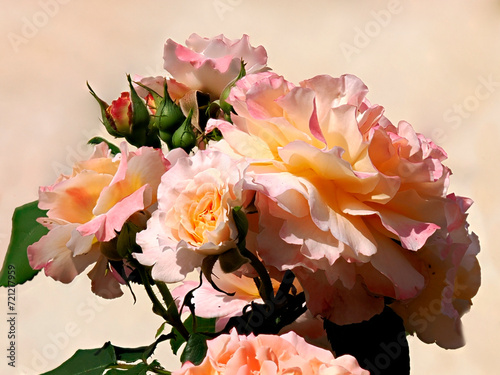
[453, 278]
[88, 207]
[209, 65]
[347, 197]
[271, 355]
[195, 199]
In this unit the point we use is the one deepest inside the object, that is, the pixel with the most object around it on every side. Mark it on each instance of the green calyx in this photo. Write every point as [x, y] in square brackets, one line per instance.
[184, 136]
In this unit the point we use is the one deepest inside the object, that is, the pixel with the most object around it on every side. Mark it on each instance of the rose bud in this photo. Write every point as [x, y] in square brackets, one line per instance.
[119, 114]
[184, 137]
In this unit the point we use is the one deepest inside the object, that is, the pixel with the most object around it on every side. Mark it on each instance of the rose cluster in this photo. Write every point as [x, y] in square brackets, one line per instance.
[356, 207]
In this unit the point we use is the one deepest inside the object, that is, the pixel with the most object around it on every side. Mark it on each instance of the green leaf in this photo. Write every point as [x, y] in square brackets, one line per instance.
[96, 361]
[25, 231]
[241, 222]
[87, 362]
[195, 350]
[206, 325]
[96, 140]
[139, 369]
[139, 353]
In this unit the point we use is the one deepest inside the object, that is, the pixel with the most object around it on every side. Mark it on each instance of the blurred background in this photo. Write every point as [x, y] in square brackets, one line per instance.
[434, 64]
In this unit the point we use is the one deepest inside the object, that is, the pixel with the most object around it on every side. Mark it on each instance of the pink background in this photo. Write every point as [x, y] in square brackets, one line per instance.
[426, 62]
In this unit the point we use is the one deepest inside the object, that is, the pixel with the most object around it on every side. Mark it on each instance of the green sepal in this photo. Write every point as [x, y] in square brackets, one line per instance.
[225, 106]
[184, 137]
[109, 250]
[169, 115]
[156, 97]
[25, 231]
[215, 135]
[126, 244]
[104, 114]
[207, 265]
[140, 120]
[232, 260]
[195, 350]
[140, 113]
[241, 222]
[167, 138]
[96, 140]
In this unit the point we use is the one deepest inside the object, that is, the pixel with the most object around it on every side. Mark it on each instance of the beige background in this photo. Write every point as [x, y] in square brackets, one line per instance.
[422, 60]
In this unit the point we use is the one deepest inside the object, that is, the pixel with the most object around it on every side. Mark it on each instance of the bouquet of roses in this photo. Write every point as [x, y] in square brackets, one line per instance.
[308, 233]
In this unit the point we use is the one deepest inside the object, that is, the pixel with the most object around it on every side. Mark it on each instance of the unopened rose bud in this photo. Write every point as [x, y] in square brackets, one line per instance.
[150, 102]
[169, 114]
[167, 138]
[184, 137]
[128, 116]
[119, 114]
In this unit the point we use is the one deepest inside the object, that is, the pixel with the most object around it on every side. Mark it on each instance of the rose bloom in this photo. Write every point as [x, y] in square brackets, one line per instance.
[453, 278]
[86, 208]
[206, 65]
[348, 198]
[194, 219]
[209, 65]
[271, 355]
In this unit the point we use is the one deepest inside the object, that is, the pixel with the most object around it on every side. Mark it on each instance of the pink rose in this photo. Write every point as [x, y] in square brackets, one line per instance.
[209, 65]
[195, 200]
[271, 355]
[347, 197]
[88, 207]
